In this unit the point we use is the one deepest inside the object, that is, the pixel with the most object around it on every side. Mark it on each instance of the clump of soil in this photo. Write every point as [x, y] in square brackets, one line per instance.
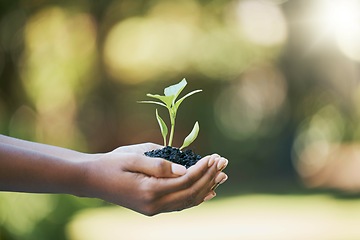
[186, 158]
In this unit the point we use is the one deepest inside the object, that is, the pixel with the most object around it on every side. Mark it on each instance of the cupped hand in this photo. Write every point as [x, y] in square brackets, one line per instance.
[150, 186]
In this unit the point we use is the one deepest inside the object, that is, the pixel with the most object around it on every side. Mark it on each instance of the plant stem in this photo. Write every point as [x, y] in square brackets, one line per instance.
[164, 141]
[172, 122]
[171, 134]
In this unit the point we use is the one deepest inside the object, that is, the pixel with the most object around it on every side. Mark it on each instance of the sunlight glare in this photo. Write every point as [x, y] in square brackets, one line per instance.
[342, 20]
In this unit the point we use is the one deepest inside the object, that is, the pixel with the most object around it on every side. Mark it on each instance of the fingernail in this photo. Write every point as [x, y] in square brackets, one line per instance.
[224, 179]
[220, 177]
[211, 161]
[222, 164]
[216, 155]
[210, 196]
[178, 169]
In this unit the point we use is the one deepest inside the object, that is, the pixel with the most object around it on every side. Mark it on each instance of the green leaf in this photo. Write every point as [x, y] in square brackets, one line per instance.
[191, 137]
[178, 102]
[163, 127]
[159, 103]
[168, 100]
[175, 89]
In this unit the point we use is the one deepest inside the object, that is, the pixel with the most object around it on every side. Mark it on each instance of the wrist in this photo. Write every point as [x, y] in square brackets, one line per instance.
[85, 175]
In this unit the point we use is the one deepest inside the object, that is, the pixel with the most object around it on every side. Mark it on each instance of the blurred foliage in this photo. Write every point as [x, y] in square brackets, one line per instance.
[280, 78]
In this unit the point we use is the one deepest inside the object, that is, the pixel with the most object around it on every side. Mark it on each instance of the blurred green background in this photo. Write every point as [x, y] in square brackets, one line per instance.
[280, 100]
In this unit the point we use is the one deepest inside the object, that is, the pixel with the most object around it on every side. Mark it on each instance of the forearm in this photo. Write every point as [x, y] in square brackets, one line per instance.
[25, 170]
[44, 148]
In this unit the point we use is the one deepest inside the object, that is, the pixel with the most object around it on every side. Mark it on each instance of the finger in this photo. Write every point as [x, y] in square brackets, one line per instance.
[210, 196]
[192, 196]
[222, 164]
[219, 179]
[155, 167]
[193, 174]
[203, 190]
[200, 190]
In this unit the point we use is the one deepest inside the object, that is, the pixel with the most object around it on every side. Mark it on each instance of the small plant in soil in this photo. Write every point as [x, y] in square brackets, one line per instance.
[169, 100]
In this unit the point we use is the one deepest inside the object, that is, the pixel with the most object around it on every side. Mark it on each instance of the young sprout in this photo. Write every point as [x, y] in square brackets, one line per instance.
[169, 100]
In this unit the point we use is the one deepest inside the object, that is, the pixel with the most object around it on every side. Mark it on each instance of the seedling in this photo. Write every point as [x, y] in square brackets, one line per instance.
[169, 101]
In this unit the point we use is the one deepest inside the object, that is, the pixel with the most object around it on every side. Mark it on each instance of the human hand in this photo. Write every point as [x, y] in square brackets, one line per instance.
[144, 147]
[135, 181]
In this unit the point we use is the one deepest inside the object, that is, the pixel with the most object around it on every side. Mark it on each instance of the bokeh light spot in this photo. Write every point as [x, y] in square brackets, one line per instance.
[341, 19]
[141, 48]
[245, 109]
[55, 66]
[262, 22]
[21, 212]
[315, 138]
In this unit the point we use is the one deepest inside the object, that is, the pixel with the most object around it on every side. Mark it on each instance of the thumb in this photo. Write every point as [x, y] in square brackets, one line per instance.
[157, 167]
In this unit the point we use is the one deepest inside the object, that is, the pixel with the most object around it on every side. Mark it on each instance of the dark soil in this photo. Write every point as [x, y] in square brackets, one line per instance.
[186, 158]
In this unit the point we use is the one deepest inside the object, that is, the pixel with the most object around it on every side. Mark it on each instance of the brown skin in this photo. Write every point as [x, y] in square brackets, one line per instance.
[123, 176]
